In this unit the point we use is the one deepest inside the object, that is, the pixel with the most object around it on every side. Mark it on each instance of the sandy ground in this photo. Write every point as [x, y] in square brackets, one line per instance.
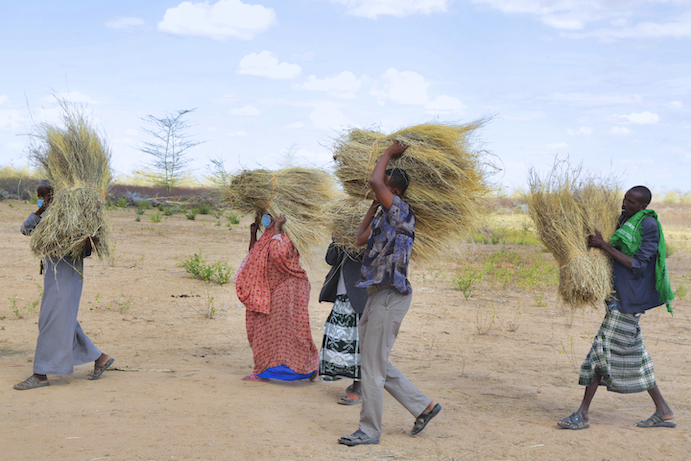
[175, 391]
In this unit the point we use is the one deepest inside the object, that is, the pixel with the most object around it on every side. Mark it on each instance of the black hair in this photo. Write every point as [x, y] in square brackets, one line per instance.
[398, 179]
[644, 192]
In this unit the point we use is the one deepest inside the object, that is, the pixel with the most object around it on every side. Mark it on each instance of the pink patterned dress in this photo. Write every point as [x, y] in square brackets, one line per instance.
[275, 291]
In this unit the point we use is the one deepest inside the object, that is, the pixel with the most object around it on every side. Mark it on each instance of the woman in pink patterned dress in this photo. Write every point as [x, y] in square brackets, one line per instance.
[275, 291]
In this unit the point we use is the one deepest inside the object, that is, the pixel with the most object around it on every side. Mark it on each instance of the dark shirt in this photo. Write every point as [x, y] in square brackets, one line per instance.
[634, 288]
[349, 265]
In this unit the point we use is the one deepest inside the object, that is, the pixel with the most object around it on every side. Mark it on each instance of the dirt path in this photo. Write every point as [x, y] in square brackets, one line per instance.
[175, 392]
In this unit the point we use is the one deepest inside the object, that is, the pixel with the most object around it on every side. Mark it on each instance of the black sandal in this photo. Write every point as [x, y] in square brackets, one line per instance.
[425, 418]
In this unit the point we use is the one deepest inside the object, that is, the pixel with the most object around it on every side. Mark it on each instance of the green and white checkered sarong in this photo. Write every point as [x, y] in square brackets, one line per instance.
[619, 356]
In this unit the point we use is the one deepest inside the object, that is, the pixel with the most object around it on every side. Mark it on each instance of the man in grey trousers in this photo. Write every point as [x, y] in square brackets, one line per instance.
[389, 236]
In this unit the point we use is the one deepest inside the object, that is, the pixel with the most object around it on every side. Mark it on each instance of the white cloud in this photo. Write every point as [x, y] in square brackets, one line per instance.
[588, 99]
[70, 97]
[558, 146]
[237, 133]
[582, 132]
[265, 64]
[131, 132]
[246, 111]
[620, 131]
[563, 23]
[327, 116]
[446, 105]
[399, 8]
[296, 125]
[401, 87]
[674, 105]
[124, 23]
[577, 14]
[345, 85]
[10, 119]
[223, 20]
[678, 28]
[642, 118]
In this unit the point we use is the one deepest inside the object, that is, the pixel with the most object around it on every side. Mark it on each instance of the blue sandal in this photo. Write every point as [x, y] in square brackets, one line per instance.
[32, 382]
[358, 438]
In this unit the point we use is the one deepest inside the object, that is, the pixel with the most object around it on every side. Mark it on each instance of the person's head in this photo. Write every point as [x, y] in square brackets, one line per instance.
[44, 191]
[267, 220]
[636, 199]
[397, 181]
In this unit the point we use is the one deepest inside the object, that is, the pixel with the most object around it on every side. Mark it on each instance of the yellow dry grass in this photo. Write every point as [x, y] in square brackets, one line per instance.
[76, 161]
[448, 178]
[302, 195]
[567, 207]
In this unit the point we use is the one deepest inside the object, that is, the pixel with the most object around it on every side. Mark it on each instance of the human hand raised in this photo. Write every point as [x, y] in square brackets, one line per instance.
[396, 149]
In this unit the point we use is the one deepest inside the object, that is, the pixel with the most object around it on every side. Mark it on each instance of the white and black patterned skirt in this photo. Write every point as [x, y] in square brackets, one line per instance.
[340, 353]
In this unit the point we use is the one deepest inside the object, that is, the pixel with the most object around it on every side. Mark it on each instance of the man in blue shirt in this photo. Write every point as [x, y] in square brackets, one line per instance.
[618, 358]
[389, 236]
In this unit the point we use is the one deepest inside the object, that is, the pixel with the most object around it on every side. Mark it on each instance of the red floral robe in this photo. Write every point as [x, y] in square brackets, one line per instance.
[275, 290]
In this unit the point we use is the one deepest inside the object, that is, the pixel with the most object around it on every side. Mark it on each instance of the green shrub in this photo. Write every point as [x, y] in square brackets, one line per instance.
[192, 214]
[204, 208]
[465, 280]
[232, 219]
[155, 217]
[218, 271]
[121, 202]
[144, 204]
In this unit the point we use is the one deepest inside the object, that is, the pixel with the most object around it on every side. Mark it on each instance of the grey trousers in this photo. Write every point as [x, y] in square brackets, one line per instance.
[378, 329]
[61, 342]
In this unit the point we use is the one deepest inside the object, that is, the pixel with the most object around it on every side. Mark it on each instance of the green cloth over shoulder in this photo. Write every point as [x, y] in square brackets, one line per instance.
[628, 238]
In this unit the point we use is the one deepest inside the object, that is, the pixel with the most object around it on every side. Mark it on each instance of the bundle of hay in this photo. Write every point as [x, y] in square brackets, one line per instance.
[345, 217]
[300, 194]
[76, 161]
[448, 177]
[566, 208]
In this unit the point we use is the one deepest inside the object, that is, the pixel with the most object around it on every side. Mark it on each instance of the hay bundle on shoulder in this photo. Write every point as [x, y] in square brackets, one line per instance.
[448, 178]
[345, 216]
[300, 194]
[76, 162]
[566, 208]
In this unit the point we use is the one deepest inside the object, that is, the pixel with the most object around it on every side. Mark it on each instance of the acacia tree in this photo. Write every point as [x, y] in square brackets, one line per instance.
[169, 149]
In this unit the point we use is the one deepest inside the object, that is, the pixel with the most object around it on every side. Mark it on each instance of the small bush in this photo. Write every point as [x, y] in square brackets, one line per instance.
[144, 204]
[204, 208]
[232, 219]
[218, 271]
[121, 202]
[168, 211]
[465, 280]
[155, 217]
[192, 214]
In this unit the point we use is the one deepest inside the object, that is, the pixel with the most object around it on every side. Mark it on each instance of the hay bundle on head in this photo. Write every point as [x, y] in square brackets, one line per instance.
[448, 177]
[345, 216]
[300, 194]
[76, 162]
[566, 208]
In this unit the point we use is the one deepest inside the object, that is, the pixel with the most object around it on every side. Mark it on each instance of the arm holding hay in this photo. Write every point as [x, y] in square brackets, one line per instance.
[596, 241]
[382, 187]
[379, 181]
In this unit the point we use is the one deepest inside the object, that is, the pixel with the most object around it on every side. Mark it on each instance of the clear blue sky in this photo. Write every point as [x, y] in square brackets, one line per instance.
[606, 82]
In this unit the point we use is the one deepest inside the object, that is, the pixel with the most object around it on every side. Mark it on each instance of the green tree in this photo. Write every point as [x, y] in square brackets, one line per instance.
[170, 146]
